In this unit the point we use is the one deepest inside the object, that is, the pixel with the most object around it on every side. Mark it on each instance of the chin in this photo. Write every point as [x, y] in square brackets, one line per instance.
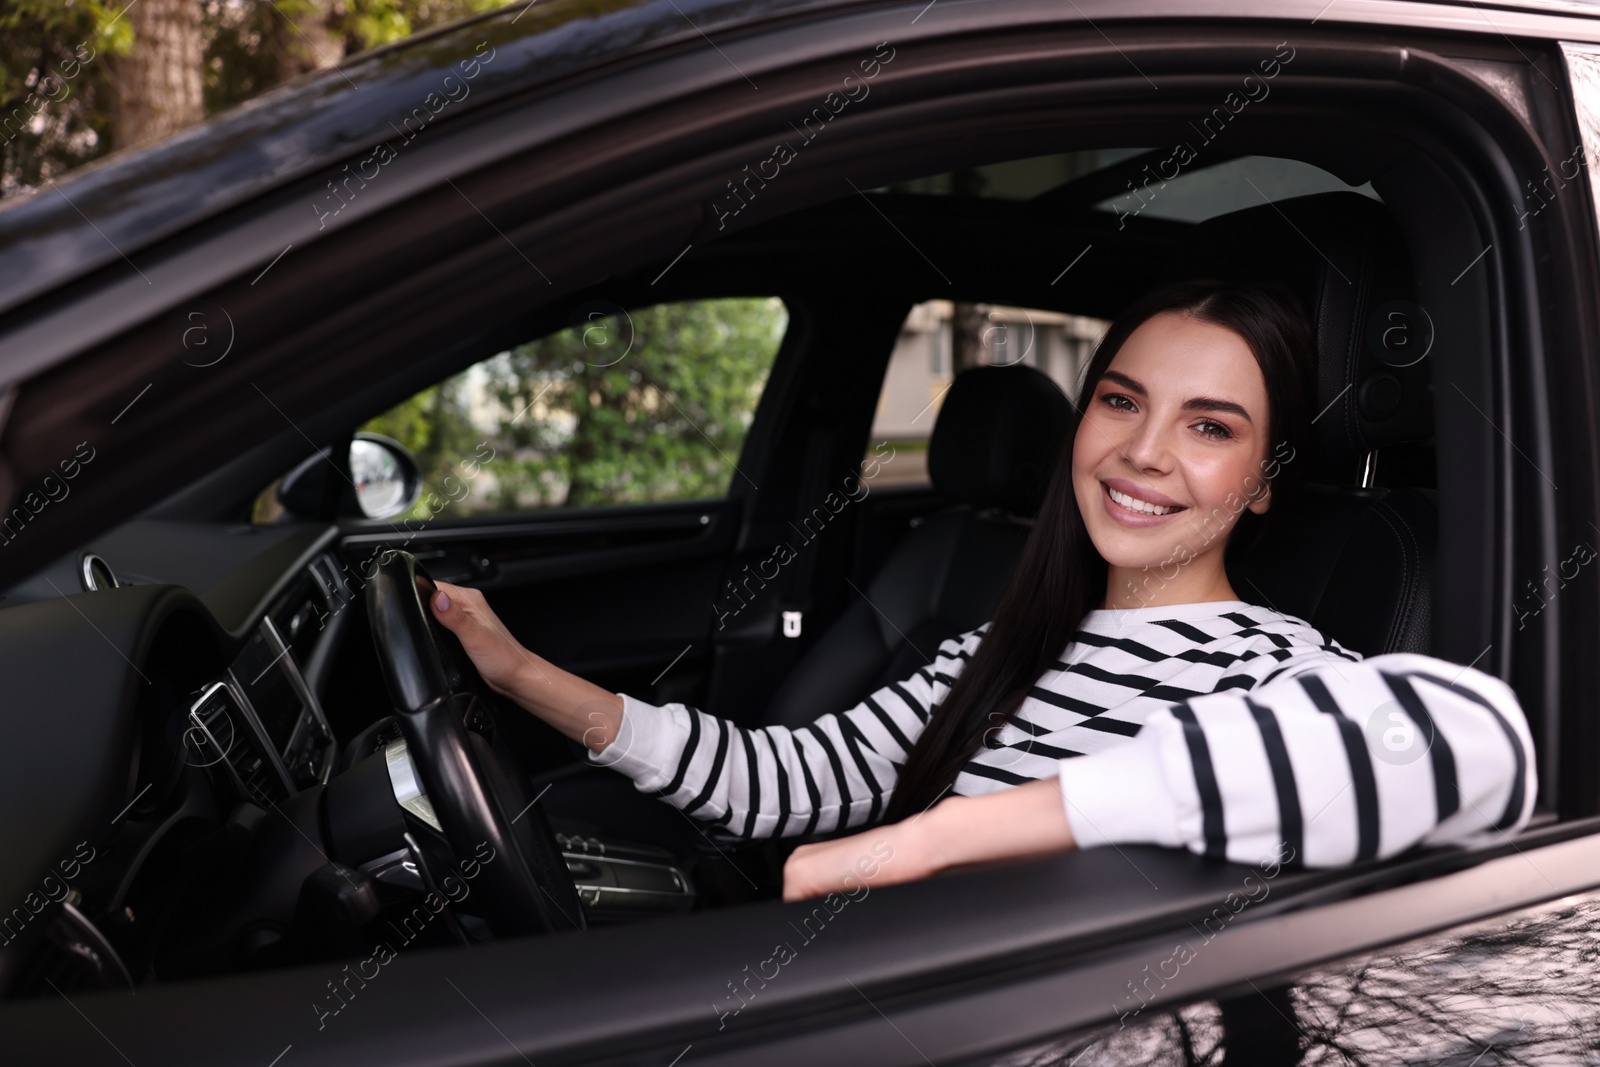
[1140, 561]
[1117, 551]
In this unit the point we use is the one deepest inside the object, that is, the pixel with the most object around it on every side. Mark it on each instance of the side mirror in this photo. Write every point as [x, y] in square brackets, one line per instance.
[386, 480]
[387, 476]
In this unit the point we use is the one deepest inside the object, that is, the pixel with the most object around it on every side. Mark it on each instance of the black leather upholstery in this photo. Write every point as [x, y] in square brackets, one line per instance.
[997, 437]
[1356, 563]
[1344, 255]
[997, 431]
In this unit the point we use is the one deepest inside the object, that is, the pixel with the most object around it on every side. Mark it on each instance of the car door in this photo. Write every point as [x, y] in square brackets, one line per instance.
[1515, 988]
[980, 963]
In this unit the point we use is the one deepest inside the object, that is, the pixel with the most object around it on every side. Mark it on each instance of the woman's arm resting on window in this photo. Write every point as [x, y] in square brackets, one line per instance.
[1328, 765]
[1019, 823]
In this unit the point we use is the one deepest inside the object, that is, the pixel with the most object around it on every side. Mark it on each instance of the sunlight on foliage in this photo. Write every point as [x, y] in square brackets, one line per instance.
[55, 86]
[574, 422]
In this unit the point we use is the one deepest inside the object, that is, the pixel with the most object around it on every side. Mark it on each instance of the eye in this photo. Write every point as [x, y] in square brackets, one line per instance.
[1110, 399]
[1220, 432]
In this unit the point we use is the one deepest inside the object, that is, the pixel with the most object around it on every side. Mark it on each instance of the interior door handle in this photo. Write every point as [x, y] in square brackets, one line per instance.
[455, 566]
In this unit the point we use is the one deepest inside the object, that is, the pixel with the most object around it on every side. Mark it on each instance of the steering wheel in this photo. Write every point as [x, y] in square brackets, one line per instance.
[447, 715]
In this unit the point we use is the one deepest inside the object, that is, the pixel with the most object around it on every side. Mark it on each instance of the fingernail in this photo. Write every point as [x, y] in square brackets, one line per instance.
[442, 601]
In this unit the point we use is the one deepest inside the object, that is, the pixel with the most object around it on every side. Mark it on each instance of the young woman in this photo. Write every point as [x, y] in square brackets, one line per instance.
[1122, 692]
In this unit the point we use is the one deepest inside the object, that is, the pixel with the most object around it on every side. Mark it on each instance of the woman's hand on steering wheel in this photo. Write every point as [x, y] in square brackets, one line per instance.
[579, 709]
[501, 659]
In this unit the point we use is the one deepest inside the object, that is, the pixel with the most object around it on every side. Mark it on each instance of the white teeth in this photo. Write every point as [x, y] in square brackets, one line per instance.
[1135, 504]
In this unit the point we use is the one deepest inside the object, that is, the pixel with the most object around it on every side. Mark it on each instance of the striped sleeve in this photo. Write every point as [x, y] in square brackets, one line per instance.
[778, 781]
[1330, 763]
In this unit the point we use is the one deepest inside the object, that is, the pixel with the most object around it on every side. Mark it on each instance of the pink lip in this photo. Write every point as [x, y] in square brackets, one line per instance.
[1129, 517]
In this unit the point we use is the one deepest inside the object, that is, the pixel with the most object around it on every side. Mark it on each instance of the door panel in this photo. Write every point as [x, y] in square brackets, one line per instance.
[1520, 988]
[611, 594]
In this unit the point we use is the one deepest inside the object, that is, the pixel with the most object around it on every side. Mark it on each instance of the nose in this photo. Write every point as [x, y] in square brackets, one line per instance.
[1148, 446]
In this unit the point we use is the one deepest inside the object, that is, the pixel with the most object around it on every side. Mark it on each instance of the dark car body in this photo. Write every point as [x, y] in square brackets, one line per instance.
[593, 158]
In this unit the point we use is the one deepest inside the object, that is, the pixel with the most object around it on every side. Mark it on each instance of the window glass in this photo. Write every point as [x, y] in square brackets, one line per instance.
[1162, 183]
[624, 407]
[938, 339]
[1205, 192]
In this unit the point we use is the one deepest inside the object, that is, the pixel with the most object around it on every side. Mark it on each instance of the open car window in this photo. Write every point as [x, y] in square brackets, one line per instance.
[621, 407]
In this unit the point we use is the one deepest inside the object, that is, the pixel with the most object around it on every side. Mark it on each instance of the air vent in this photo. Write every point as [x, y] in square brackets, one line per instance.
[326, 573]
[219, 734]
[96, 573]
[256, 774]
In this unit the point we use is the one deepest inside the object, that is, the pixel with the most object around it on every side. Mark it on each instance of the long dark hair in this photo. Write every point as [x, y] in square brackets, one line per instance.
[1060, 576]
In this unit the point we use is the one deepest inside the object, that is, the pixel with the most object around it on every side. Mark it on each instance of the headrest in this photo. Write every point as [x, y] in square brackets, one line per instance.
[1344, 256]
[999, 432]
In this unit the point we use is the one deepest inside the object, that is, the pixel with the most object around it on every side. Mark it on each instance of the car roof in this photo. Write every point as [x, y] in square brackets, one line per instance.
[131, 199]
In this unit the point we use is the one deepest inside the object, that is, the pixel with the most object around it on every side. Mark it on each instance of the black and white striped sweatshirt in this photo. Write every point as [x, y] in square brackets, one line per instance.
[1221, 726]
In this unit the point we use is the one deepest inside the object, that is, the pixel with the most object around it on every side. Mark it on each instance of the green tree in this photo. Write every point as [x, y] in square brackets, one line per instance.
[648, 405]
[56, 103]
[590, 425]
[254, 46]
[75, 75]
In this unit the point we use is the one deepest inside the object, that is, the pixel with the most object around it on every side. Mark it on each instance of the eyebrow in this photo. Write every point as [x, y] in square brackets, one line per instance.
[1199, 403]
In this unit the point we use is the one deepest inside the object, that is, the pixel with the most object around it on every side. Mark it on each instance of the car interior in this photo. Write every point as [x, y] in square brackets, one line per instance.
[209, 880]
[1356, 560]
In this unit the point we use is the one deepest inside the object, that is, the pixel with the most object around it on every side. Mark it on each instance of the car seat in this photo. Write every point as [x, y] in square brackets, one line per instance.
[993, 444]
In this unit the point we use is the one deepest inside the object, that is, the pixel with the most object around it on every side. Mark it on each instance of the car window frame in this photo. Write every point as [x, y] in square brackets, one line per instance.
[983, 891]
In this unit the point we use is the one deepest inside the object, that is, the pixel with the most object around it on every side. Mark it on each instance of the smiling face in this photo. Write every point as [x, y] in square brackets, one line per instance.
[1171, 448]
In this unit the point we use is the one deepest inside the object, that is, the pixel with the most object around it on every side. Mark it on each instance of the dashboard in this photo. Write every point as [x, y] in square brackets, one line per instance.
[172, 748]
[200, 756]
[261, 718]
[275, 590]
